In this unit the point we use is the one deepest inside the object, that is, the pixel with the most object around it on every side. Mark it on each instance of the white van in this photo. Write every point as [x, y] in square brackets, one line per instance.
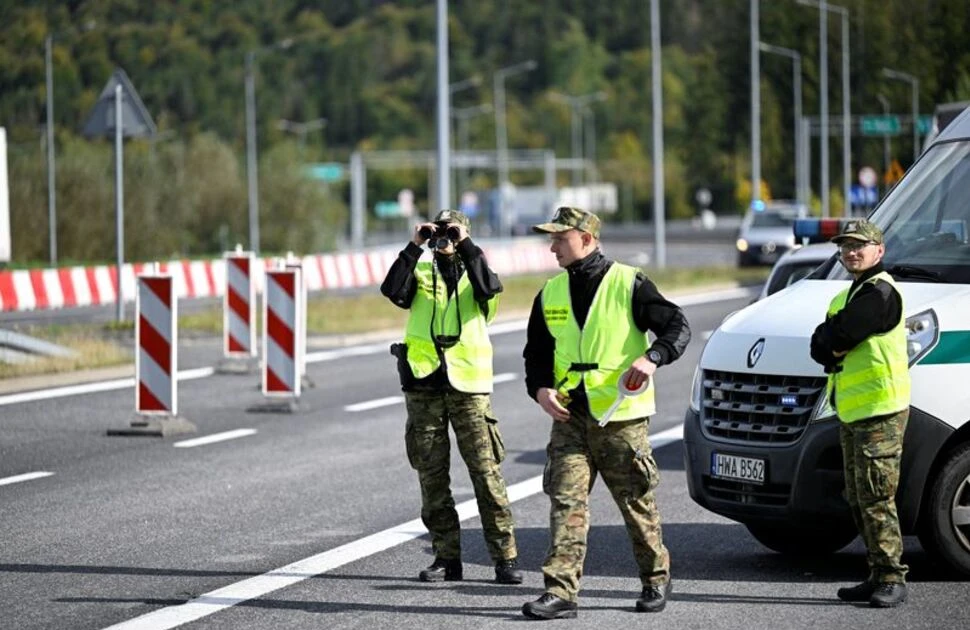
[761, 442]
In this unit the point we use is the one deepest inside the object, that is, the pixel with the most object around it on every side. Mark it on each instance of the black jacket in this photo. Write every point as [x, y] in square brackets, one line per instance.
[874, 309]
[400, 287]
[651, 312]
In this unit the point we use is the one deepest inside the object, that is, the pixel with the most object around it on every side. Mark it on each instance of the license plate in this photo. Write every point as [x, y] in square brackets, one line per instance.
[735, 467]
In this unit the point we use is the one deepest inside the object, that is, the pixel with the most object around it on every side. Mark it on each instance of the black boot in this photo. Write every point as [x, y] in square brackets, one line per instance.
[442, 569]
[507, 572]
[654, 597]
[858, 593]
[550, 606]
[888, 595]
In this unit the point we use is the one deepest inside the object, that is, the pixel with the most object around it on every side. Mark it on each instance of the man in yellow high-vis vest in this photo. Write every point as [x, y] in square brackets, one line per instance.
[587, 331]
[862, 345]
[445, 366]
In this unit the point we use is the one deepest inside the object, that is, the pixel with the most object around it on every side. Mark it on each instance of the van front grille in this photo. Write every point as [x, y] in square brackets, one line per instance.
[757, 408]
[774, 494]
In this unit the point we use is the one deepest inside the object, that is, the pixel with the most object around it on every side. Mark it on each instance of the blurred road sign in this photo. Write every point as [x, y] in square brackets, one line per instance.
[405, 200]
[925, 124]
[387, 209]
[863, 196]
[894, 174]
[867, 176]
[469, 204]
[326, 171]
[880, 125]
[135, 119]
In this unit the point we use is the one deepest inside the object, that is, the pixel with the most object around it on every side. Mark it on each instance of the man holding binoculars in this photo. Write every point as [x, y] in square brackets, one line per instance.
[445, 366]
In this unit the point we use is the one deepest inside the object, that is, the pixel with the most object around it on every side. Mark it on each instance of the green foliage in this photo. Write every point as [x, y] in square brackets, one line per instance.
[369, 68]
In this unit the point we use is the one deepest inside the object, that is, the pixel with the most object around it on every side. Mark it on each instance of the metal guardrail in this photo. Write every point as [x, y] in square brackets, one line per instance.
[19, 348]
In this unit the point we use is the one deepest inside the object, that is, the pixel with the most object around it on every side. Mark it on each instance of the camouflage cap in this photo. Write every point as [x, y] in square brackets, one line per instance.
[567, 218]
[452, 216]
[860, 230]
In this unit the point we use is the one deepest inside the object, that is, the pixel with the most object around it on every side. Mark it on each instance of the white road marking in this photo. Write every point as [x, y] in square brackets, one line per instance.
[327, 355]
[24, 477]
[504, 377]
[252, 588]
[90, 388]
[215, 437]
[377, 403]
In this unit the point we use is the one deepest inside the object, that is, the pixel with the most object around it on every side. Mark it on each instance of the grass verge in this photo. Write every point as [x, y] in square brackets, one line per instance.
[100, 346]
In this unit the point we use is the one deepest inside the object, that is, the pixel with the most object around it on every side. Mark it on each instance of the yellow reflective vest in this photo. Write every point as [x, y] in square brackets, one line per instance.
[874, 380]
[601, 351]
[469, 361]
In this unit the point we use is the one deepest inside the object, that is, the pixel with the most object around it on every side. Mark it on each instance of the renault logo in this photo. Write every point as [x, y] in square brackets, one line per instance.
[755, 352]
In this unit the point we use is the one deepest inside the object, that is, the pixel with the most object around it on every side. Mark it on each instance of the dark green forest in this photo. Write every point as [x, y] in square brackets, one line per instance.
[368, 68]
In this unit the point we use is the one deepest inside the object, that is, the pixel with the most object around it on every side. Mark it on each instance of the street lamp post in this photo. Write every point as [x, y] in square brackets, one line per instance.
[51, 167]
[824, 6]
[576, 105]
[885, 137]
[443, 118]
[659, 209]
[755, 36]
[501, 134]
[797, 97]
[462, 115]
[302, 129]
[252, 168]
[914, 82]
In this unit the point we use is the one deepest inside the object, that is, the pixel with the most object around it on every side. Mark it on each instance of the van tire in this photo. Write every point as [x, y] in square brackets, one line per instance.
[950, 491]
[795, 540]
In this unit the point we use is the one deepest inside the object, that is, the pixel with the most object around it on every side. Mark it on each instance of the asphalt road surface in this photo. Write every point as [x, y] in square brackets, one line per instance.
[308, 520]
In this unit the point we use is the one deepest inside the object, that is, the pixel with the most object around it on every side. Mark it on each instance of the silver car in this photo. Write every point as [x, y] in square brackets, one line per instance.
[766, 234]
[795, 265]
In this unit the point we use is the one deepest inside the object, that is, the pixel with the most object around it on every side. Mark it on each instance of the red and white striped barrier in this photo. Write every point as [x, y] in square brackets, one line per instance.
[239, 305]
[156, 359]
[292, 262]
[38, 289]
[282, 329]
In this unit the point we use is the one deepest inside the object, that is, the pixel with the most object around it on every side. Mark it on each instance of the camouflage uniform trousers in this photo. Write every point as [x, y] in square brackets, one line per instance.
[871, 450]
[480, 444]
[621, 453]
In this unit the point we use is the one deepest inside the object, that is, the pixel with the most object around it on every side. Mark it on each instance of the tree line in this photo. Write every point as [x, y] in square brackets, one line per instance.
[368, 68]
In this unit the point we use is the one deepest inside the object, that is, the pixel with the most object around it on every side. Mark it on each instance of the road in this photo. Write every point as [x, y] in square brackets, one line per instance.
[307, 520]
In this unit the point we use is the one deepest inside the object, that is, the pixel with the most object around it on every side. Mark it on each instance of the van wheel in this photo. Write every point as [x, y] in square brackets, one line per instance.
[800, 541]
[945, 523]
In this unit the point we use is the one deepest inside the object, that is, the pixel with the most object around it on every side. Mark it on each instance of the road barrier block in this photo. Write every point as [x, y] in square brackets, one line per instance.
[239, 313]
[283, 326]
[156, 359]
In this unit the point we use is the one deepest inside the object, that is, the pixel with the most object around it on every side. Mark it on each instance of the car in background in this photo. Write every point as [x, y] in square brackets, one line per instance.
[796, 264]
[766, 232]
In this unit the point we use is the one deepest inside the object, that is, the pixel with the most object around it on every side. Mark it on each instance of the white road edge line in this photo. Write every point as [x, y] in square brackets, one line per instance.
[252, 588]
[24, 477]
[377, 403]
[327, 355]
[388, 401]
[215, 437]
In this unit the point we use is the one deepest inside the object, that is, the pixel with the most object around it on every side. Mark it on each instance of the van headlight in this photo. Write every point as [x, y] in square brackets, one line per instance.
[922, 333]
[696, 389]
[742, 245]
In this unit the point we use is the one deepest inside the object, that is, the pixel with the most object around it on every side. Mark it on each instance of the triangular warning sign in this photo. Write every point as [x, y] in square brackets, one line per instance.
[894, 173]
[135, 119]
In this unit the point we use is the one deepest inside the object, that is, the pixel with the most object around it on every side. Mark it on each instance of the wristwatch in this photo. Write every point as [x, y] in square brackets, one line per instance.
[655, 357]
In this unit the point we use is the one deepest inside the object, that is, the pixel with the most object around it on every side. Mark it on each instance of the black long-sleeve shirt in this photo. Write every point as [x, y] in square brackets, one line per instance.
[400, 286]
[876, 308]
[651, 312]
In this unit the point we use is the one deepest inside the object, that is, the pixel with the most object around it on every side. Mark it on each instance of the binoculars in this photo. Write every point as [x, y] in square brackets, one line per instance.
[440, 236]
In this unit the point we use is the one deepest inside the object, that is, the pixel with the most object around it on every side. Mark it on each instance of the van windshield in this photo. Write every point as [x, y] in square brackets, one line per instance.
[925, 219]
